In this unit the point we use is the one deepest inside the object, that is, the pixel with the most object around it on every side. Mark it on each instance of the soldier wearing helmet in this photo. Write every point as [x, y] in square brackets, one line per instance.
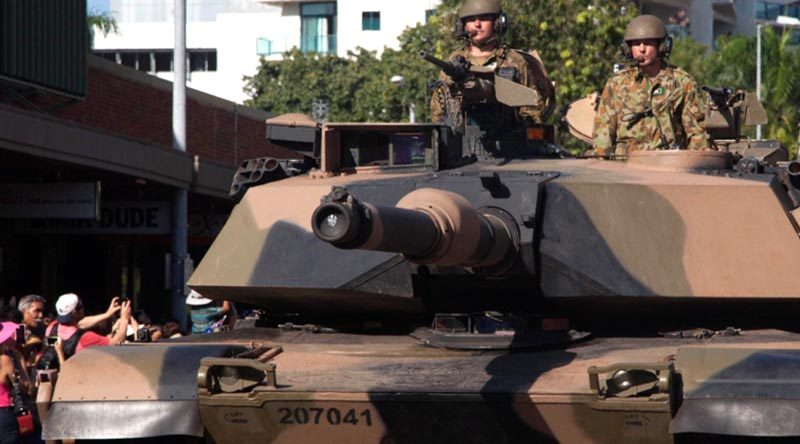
[481, 26]
[652, 104]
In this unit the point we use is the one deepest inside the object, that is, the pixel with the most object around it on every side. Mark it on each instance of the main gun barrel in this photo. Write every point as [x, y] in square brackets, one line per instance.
[428, 226]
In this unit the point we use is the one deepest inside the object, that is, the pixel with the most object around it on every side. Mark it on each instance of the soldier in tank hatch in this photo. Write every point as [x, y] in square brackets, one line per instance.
[651, 105]
[481, 25]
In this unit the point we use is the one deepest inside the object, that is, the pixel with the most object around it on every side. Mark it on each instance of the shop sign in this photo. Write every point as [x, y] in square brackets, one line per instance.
[115, 218]
[58, 200]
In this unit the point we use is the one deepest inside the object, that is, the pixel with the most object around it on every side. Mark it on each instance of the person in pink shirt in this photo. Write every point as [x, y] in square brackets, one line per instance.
[9, 429]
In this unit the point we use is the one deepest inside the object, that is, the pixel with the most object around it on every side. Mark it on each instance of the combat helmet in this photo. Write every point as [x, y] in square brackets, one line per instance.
[648, 27]
[471, 8]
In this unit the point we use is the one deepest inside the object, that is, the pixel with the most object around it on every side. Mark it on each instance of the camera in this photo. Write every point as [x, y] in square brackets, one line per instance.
[21, 334]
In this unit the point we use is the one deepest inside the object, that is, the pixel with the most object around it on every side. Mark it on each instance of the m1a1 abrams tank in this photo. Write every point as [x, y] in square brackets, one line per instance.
[433, 284]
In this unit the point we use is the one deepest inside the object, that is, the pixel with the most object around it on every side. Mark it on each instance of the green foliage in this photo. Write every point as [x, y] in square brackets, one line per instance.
[577, 40]
[733, 64]
[358, 87]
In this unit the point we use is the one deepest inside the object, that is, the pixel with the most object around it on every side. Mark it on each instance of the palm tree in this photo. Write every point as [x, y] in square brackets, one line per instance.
[781, 88]
[103, 21]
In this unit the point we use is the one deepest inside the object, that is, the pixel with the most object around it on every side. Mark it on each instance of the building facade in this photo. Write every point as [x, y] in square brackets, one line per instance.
[87, 184]
[705, 20]
[227, 38]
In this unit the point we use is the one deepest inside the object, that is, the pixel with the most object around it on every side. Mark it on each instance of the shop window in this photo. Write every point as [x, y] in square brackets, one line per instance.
[371, 21]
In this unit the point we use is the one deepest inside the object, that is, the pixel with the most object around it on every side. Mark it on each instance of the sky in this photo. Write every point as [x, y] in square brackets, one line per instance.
[98, 5]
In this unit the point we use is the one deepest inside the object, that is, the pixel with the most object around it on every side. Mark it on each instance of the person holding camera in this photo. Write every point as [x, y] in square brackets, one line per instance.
[73, 332]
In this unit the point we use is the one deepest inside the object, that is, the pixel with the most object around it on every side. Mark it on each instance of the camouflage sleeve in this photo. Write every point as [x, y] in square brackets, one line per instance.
[604, 133]
[436, 103]
[534, 75]
[694, 116]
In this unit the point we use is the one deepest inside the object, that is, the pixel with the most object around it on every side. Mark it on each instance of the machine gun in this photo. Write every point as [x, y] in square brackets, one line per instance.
[722, 98]
[458, 69]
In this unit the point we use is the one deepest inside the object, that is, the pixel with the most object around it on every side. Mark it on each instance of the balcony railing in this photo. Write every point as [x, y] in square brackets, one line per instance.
[322, 44]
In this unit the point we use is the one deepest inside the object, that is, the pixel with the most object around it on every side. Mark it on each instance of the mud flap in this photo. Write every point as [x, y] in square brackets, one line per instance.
[130, 392]
[742, 392]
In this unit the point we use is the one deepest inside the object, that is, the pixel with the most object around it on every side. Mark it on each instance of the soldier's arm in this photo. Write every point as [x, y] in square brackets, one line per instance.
[604, 133]
[693, 117]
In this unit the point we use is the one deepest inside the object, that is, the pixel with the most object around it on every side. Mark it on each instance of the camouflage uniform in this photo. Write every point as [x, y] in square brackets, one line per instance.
[531, 74]
[636, 112]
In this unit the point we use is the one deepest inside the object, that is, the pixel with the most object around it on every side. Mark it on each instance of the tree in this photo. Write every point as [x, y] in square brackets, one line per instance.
[733, 64]
[102, 21]
[577, 39]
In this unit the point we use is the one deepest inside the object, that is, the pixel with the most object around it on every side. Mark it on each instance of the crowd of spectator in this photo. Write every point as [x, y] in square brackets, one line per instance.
[36, 338]
[35, 341]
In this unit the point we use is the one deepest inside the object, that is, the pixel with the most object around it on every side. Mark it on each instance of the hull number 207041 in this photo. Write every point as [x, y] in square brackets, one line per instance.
[330, 416]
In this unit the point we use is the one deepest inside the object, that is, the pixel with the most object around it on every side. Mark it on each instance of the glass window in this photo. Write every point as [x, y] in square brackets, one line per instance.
[128, 59]
[371, 21]
[768, 11]
[203, 60]
[409, 149]
[143, 61]
[263, 47]
[163, 61]
[318, 27]
[318, 34]
[317, 9]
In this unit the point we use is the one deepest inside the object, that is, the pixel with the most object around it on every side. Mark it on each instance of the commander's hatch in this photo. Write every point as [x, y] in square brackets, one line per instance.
[362, 147]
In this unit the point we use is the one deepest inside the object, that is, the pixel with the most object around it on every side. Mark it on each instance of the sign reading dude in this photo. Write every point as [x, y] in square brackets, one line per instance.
[115, 218]
[60, 200]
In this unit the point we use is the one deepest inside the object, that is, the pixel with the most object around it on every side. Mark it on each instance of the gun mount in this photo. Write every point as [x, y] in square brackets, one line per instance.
[427, 226]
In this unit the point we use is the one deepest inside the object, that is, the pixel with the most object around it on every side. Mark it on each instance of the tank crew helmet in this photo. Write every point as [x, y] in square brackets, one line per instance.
[647, 27]
[472, 8]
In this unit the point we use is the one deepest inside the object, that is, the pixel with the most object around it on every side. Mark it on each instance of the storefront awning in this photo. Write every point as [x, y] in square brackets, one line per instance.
[50, 138]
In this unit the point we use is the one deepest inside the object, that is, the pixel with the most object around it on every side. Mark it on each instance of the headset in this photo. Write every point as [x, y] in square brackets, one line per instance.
[664, 48]
[500, 26]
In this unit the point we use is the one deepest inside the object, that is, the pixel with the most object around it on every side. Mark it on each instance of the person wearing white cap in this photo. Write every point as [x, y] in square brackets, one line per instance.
[206, 316]
[69, 328]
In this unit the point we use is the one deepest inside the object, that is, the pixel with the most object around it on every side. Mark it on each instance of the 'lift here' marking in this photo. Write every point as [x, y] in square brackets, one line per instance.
[331, 416]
